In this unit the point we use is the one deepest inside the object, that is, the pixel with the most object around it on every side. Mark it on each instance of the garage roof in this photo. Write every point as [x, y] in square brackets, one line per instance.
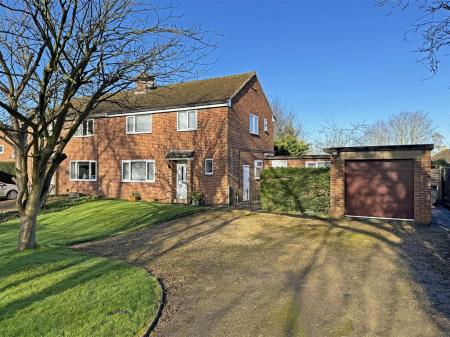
[379, 148]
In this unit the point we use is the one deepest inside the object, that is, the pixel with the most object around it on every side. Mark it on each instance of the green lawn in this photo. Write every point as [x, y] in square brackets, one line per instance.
[55, 291]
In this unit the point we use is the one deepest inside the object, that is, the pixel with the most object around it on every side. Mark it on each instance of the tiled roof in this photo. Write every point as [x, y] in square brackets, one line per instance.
[209, 91]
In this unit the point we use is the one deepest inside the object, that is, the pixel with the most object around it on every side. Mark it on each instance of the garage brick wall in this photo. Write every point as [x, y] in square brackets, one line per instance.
[422, 179]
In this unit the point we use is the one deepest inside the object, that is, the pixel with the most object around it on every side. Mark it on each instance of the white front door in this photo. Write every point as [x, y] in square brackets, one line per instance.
[181, 181]
[246, 183]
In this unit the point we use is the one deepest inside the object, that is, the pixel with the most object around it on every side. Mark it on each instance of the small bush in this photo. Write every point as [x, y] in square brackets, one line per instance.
[8, 167]
[300, 190]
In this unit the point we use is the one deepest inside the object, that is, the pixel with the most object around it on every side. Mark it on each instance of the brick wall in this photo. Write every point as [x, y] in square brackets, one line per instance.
[110, 145]
[294, 161]
[422, 179]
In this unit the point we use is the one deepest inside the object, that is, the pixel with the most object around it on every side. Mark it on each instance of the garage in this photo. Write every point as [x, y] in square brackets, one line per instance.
[380, 188]
[389, 181]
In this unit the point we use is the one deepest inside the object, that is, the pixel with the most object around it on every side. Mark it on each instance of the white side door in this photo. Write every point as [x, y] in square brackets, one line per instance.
[245, 182]
[181, 181]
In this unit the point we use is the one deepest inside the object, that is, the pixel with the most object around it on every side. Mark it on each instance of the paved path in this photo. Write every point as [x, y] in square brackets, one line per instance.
[241, 274]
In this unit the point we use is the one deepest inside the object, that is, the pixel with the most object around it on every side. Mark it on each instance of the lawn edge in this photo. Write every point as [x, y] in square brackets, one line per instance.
[70, 244]
[152, 323]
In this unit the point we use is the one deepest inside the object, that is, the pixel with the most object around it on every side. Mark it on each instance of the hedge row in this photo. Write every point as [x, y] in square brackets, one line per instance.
[299, 190]
[8, 167]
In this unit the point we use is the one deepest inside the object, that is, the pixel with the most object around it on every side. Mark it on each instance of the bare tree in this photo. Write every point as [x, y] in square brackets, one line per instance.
[52, 53]
[286, 121]
[401, 128]
[331, 134]
[433, 26]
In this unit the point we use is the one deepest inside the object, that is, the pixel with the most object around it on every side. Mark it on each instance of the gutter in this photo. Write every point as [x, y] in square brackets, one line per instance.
[205, 106]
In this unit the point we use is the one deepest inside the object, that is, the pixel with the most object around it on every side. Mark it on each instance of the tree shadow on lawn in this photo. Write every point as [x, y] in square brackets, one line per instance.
[70, 270]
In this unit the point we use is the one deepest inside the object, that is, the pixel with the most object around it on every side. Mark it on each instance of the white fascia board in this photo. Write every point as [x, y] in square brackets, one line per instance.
[207, 106]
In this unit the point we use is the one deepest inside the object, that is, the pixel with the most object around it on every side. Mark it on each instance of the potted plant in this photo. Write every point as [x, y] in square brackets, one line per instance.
[134, 196]
[197, 198]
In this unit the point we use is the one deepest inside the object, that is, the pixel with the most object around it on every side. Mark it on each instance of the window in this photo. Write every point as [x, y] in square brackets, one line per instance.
[315, 164]
[258, 168]
[83, 170]
[86, 128]
[138, 170]
[139, 124]
[279, 163]
[208, 167]
[254, 124]
[266, 125]
[187, 120]
[2, 148]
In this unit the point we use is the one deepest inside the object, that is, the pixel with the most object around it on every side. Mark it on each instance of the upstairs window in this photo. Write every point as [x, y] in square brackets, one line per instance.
[139, 124]
[209, 167]
[254, 124]
[2, 148]
[83, 170]
[86, 128]
[258, 169]
[187, 120]
[266, 125]
[138, 170]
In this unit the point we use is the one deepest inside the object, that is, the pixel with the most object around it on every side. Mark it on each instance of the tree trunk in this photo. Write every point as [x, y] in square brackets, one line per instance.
[28, 218]
[27, 235]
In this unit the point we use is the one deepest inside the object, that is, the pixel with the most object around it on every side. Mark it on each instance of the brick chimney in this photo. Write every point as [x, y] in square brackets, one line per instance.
[145, 83]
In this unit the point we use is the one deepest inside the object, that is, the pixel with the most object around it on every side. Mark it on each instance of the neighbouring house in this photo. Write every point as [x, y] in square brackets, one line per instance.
[307, 160]
[392, 182]
[6, 151]
[166, 142]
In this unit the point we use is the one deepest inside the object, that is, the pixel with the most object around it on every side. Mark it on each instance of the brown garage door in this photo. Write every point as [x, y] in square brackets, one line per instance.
[380, 188]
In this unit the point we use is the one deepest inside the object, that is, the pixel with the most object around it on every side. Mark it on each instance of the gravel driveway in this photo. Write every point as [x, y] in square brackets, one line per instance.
[238, 273]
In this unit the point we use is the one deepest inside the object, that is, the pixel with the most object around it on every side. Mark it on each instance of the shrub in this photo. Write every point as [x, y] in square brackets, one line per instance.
[302, 190]
[8, 167]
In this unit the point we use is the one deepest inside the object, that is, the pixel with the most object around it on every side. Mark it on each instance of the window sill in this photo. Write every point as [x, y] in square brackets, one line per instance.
[184, 130]
[139, 133]
[137, 181]
[209, 174]
[84, 136]
[88, 180]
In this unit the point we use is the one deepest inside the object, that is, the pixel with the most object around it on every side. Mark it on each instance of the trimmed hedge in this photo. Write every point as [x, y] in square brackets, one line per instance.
[299, 190]
[8, 167]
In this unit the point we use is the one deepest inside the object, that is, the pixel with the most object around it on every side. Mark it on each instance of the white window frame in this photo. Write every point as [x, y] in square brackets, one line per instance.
[212, 167]
[2, 148]
[76, 168]
[87, 128]
[134, 132]
[254, 128]
[317, 164]
[279, 163]
[187, 122]
[138, 181]
[266, 125]
[258, 163]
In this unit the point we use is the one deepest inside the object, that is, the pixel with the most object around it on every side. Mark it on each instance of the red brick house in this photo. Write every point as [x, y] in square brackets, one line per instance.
[166, 142]
[6, 151]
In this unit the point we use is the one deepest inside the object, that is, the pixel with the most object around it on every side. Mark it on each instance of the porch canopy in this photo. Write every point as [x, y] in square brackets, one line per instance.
[180, 155]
